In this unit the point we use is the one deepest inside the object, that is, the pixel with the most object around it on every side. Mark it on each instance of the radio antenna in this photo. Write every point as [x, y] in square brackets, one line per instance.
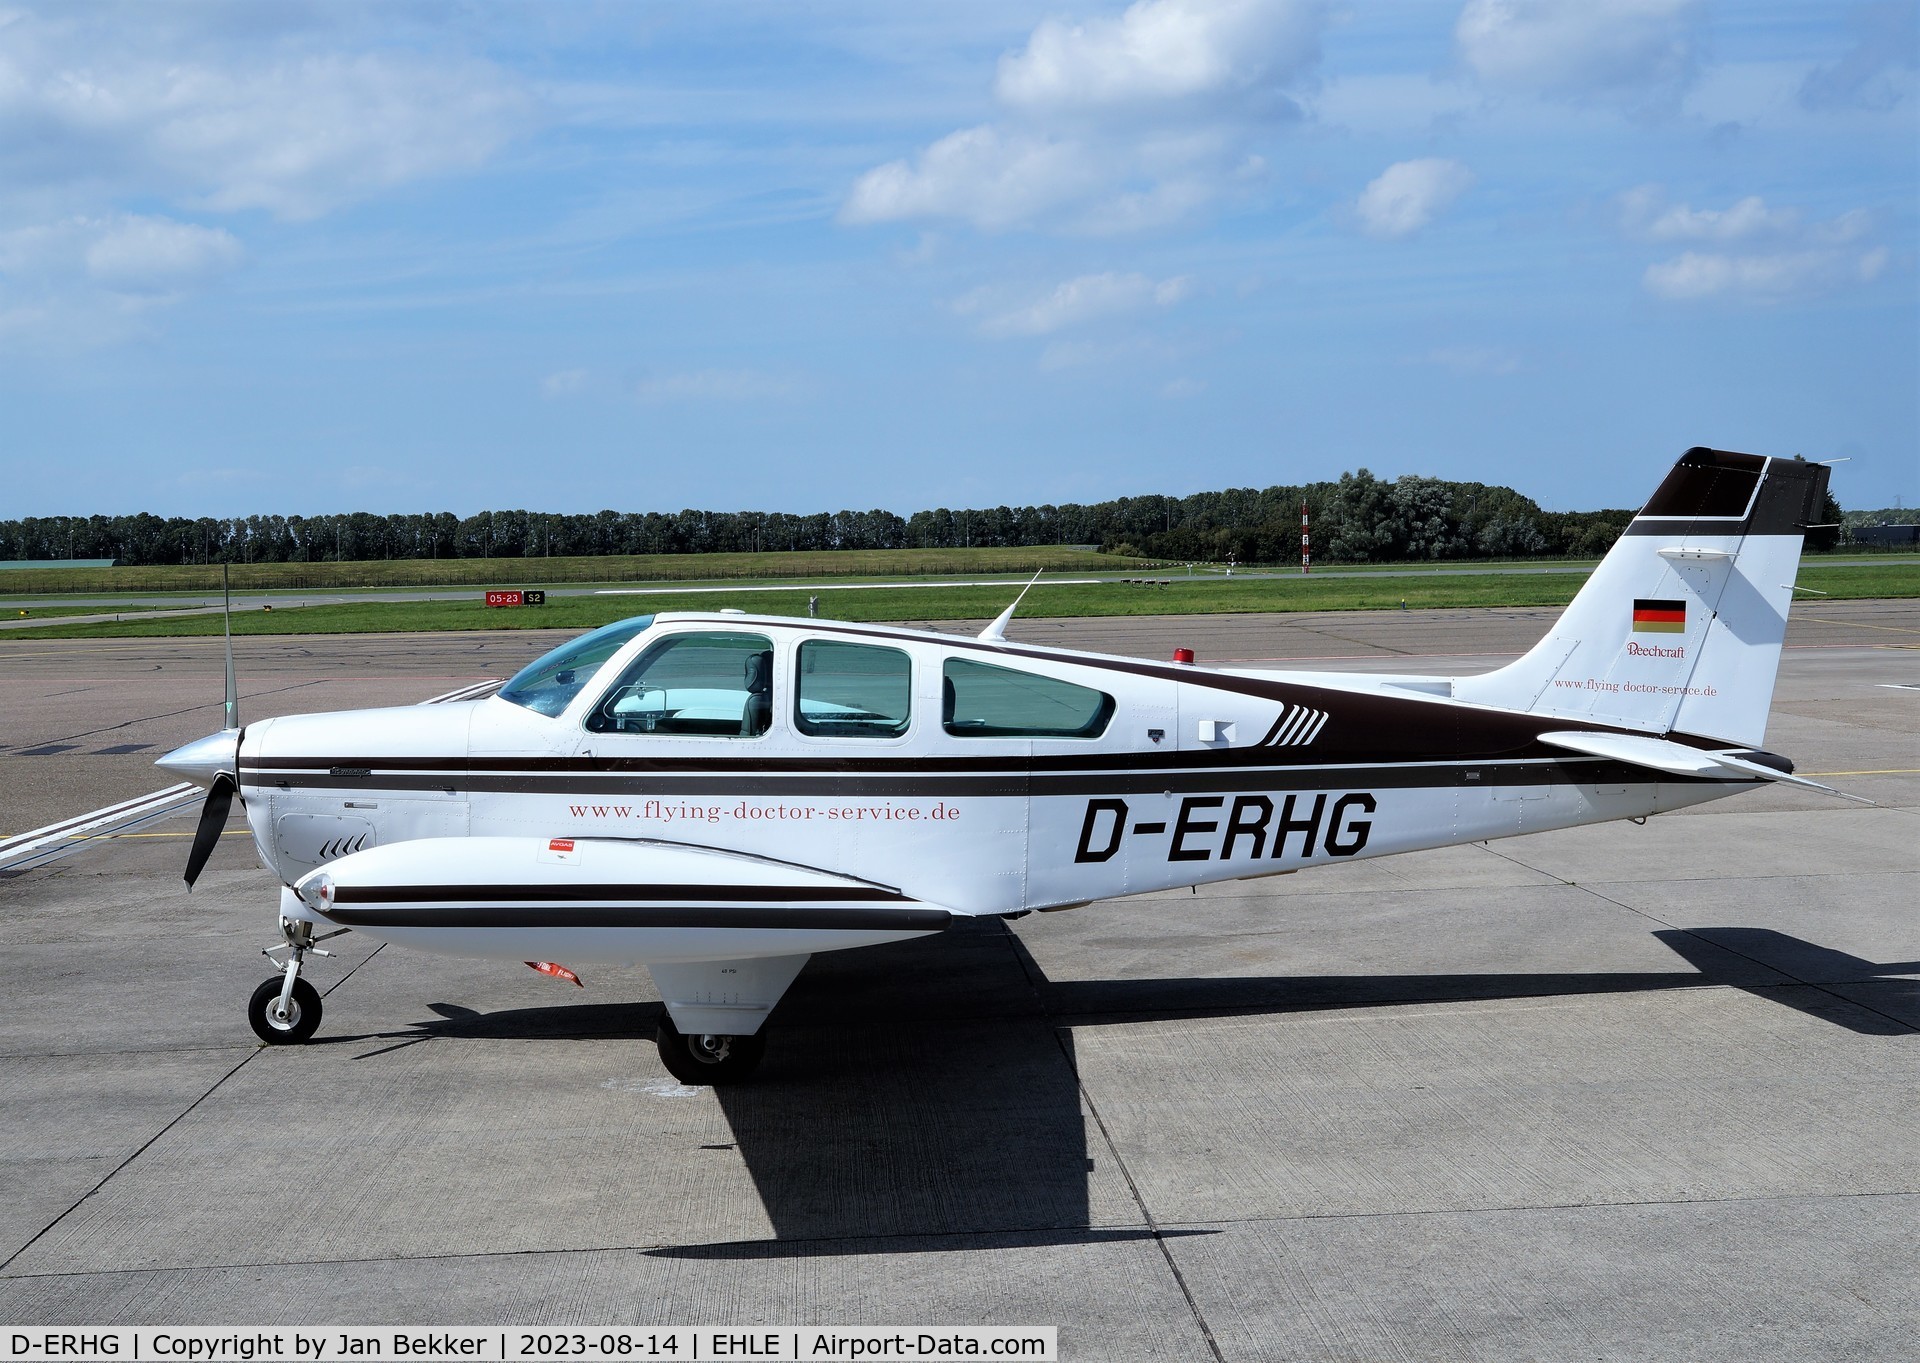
[997, 631]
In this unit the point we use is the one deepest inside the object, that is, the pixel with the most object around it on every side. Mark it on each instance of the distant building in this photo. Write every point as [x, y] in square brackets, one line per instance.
[1887, 536]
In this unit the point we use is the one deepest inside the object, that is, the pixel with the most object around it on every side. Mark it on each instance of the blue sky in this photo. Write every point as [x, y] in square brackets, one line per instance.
[315, 258]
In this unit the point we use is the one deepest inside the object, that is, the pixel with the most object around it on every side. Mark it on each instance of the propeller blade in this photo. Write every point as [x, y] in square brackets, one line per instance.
[213, 820]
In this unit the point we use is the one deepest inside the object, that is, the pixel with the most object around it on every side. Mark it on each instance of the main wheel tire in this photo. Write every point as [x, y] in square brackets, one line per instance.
[303, 1018]
[708, 1059]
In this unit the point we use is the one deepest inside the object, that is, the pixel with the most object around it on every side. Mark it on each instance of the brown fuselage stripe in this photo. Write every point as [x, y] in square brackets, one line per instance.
[811, 918]
[905, 783]
[649, 894]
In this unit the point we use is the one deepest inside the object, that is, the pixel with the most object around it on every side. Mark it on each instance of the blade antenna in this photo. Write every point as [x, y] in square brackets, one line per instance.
[997, 631]
[226, 621]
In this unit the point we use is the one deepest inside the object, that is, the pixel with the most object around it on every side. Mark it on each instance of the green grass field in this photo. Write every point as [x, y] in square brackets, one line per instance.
[1200, 596]
[520, 572]
[639, 570]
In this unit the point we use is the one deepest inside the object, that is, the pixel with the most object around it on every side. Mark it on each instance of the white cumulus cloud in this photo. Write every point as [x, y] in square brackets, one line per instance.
[88, 281]
[1088, 298]
[1410, 194]
[1637, 51]
[1742, 219]
[1112, 124]
[1764, 277]
[1759, 252]
[157, 255]
[992, 177]
[1163, 51]
[90, 106]
[1645, 212]
[125, 251]
[109, 110]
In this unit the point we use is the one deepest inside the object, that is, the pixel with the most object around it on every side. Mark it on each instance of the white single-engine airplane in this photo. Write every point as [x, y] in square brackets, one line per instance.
[719, 796]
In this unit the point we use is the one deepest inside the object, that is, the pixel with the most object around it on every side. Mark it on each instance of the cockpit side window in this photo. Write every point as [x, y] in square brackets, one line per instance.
[852, 690]
[979, 700]
[710, 685]
[550, 682]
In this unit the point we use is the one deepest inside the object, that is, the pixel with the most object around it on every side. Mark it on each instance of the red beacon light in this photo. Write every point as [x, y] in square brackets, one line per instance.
[1183, 655]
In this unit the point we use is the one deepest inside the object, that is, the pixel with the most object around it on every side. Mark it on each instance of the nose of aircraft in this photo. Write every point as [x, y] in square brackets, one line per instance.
[205, 759]
[213, 762]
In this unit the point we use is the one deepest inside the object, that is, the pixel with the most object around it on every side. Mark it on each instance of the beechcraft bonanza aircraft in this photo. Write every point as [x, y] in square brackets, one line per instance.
[719, 796]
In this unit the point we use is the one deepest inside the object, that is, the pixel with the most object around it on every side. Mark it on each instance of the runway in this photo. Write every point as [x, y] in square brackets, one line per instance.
[1617, 1092]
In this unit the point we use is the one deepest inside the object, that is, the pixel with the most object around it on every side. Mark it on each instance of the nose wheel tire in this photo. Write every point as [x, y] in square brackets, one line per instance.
[302, 1018]
[708, 1058]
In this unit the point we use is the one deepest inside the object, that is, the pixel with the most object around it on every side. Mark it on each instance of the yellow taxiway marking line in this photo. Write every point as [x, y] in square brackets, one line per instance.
[111, 837]
[1882, 771]
[1861, 624]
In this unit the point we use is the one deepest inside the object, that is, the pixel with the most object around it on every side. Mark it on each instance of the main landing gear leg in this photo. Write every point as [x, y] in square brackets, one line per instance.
[285, 1010]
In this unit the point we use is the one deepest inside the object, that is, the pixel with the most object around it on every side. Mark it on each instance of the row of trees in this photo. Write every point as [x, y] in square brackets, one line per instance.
[1364, 519]
[1359, 518]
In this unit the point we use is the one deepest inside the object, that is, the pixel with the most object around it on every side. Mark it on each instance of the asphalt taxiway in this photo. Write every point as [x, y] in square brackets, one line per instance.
[1617, 1092]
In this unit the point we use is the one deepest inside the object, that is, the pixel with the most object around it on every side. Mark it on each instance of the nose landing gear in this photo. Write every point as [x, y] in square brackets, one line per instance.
[285, 1010]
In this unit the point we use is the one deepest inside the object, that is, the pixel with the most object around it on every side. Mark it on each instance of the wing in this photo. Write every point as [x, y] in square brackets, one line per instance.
[606, 900]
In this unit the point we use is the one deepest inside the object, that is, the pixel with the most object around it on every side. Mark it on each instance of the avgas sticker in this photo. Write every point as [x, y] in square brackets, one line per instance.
[559, 851]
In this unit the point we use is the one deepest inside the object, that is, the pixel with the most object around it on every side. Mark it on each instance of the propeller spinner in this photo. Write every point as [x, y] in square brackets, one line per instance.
[212, 762]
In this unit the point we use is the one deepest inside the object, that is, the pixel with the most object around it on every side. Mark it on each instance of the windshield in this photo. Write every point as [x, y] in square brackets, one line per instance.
[549, 682]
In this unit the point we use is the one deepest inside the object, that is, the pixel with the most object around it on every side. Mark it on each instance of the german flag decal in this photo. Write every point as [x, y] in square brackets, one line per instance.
[1659, 617]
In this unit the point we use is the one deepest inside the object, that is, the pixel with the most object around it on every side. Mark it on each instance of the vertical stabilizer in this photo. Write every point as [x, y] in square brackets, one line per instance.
[1680, 627]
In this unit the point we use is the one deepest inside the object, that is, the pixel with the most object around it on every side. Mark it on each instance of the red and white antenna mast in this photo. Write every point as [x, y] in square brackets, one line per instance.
[1306, 539]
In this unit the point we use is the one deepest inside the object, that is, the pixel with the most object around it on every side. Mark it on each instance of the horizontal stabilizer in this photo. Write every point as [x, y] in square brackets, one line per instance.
[1658, 753]
[1678, 759]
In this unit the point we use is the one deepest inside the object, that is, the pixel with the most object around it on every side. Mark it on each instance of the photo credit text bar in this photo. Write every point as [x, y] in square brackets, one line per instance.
[577, 1344]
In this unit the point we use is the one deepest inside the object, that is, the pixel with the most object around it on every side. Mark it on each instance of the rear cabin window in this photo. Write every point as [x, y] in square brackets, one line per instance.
[712, 685]
[852, 690]
[979, 700]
